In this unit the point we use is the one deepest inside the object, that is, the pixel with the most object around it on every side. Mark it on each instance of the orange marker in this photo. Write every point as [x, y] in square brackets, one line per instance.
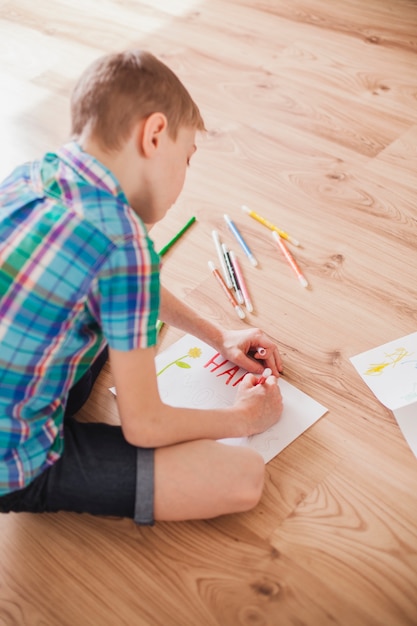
[229, 294]
[289, 257]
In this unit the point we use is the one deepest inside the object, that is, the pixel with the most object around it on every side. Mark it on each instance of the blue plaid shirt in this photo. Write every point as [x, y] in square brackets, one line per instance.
[77, 270]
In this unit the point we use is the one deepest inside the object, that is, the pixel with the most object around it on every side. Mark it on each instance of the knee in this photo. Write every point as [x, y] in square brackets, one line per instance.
[250, 481]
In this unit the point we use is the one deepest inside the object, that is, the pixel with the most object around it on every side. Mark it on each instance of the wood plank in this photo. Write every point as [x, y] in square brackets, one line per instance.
[311, 118]
[374, 581]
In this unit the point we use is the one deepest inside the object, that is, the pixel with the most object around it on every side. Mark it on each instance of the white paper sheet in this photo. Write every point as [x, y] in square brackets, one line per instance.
[390, 371]
[192, 375]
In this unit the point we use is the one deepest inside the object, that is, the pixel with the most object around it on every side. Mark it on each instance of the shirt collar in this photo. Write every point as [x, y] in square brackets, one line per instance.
[90, 169]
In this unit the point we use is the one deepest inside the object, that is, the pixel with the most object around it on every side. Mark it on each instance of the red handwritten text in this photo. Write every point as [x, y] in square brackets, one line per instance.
[226, 369]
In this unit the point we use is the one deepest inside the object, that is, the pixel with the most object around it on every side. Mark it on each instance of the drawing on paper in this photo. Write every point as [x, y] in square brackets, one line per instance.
[413, 361]
[211, 382]
[411, 396]
[391, 375]
[391, 360]
[193, 353]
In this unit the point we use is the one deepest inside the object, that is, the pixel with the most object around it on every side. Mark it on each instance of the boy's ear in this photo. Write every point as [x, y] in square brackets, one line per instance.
[151, 131]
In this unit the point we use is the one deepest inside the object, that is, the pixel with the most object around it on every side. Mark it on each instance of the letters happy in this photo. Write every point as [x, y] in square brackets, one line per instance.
[226, 369]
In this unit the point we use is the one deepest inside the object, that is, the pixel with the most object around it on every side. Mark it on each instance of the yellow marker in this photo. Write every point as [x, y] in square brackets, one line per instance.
[269, 225]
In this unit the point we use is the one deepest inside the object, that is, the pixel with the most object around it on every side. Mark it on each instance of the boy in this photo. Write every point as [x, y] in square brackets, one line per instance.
[79, 281]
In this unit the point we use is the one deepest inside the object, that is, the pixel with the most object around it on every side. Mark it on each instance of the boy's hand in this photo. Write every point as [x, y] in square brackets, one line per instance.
[262, 404]
[241, 347]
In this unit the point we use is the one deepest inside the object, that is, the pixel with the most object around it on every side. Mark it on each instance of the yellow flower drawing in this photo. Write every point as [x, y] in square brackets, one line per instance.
[193, 353]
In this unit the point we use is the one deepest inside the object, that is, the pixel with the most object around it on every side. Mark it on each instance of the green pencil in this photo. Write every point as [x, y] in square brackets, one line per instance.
[177, 236]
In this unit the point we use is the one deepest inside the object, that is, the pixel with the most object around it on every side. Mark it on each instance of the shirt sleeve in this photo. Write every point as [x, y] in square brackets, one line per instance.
[129, 294]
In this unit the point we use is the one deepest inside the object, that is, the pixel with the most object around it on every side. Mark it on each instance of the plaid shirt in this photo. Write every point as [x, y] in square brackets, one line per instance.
[77, 270]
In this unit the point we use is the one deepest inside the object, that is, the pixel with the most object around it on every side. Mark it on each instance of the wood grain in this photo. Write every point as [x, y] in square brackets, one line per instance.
[311, 114]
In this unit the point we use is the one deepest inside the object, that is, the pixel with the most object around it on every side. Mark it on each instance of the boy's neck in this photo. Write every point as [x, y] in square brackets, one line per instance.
[124, 163]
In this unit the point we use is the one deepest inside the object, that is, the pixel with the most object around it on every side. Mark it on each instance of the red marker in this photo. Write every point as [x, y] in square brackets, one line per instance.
[267, 372]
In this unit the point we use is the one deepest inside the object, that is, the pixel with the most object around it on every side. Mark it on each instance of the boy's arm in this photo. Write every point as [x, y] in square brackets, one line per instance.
[239, 346]
[178, 314]
[148, 422]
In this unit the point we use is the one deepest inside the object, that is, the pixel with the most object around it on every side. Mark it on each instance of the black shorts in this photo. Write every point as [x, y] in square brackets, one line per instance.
[99, 472]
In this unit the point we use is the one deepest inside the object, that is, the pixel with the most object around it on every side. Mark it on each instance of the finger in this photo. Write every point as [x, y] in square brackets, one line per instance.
[274, 361]
[249, 363]
[269, 353]
[249, 380]
[279, 362]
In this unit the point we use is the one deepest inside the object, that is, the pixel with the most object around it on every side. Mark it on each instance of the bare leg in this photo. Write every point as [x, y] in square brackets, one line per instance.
[204, 479]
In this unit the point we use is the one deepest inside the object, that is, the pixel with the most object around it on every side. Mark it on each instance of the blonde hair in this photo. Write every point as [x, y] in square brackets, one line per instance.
[119, 89]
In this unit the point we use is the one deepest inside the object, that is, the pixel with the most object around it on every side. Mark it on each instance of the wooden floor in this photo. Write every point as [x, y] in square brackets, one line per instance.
[311, 110]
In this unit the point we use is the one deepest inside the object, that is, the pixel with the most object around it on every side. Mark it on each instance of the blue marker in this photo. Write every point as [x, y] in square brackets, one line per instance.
[240, 239]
